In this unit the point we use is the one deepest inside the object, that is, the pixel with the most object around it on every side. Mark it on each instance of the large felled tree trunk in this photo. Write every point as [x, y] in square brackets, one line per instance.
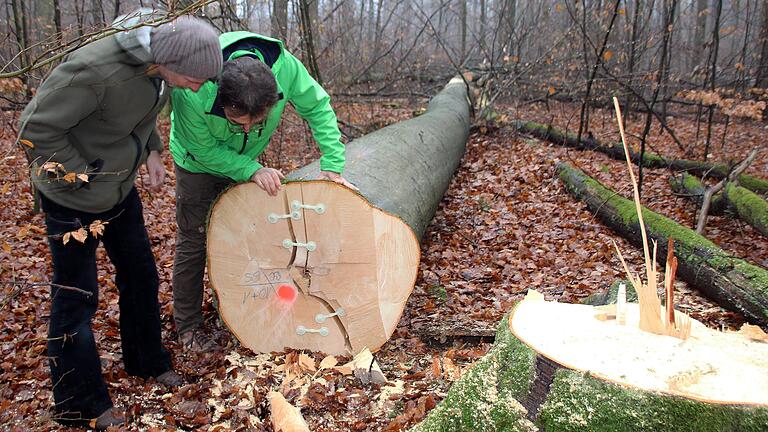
[556, 367]
[321, 267]
[732, 282]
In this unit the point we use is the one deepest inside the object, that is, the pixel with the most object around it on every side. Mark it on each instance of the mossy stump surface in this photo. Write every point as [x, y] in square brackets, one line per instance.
[587, 374]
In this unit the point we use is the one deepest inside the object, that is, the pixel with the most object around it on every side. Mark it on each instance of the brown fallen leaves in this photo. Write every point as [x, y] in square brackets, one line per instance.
[505, 225]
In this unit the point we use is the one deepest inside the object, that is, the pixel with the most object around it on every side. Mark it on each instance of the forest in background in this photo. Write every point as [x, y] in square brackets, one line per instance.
[661, 57]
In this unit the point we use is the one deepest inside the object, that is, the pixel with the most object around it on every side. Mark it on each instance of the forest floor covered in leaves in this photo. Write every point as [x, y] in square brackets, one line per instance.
[505, 225]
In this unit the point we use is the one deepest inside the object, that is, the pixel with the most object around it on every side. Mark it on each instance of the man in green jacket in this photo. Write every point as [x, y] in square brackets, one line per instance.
[88, 129]
[217, 135]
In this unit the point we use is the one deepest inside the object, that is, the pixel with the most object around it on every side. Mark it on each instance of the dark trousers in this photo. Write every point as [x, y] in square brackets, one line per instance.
[195, 194]
[78, 386]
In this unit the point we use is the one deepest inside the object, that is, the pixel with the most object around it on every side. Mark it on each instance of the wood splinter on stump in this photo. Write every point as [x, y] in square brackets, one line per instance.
[321, 267]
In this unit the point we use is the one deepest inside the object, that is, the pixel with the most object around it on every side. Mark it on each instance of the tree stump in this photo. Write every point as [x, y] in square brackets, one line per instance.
[558, 367]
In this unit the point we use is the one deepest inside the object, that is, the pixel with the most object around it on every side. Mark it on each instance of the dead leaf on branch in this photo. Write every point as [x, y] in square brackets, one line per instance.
[51, 168]
[97, 228]
[79, 234]
[27, 143]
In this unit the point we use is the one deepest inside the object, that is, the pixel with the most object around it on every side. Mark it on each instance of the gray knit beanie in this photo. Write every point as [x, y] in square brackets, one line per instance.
[188, 46]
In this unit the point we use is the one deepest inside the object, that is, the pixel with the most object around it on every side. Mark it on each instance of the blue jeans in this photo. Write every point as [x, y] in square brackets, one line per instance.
[79, 390]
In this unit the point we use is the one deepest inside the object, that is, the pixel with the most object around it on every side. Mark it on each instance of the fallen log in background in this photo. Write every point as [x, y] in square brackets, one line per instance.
[691, 187]
[742, 202]
[321, 267]
[732, 282]
[750, 207]
[650, 160]
[520, 385]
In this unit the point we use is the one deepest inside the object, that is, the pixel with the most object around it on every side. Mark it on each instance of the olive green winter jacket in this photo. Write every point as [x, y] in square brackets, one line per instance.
[203, 141]
[95, 115]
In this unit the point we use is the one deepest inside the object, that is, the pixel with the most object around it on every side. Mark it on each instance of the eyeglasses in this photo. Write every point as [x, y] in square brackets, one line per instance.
[239, 128]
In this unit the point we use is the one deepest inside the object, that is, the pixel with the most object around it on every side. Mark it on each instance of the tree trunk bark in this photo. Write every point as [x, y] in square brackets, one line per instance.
[423, 151]
[700, 29]
[762, 69]
[693, 189]
[517, 388]
[308, 40]
[280, 20]
[650, 160]
[321, 267]
[732, 282]
[749, 206]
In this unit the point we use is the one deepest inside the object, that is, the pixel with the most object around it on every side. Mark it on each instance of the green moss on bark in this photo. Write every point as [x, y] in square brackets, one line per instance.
[756, 185]
[578, 402]
[749, 206]
[485, 398]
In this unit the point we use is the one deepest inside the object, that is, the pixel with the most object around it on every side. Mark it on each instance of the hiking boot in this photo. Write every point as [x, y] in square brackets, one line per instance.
[170, 378]
[196, 340]
[110, 417]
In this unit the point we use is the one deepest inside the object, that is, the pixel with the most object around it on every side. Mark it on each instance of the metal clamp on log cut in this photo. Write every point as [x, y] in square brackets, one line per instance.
[320, 318]
[275, 218]
[297, 205]
[311, 246]
[301, 331]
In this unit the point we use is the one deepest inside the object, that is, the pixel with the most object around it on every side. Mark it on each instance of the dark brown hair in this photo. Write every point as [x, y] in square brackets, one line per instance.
[247, 86]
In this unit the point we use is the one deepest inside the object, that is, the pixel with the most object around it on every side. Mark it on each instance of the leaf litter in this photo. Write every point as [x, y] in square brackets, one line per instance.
[505, 225]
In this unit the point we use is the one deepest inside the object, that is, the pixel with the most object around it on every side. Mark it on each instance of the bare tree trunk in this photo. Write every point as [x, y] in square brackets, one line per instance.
[668, 22]
[57, 20]
[80, 16]
[699, 32]
[713, 71]
[633, 41]
[97, 13]
[743, 60]
[280, 19]
[20, 28]
[583, 120]
[762, 70]
[463, 17]
[508, 24]
[483, 19]
[307, 40]
[116, 12]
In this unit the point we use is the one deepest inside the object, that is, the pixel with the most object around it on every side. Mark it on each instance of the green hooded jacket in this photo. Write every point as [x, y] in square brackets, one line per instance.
[95, 115]
[202, 139]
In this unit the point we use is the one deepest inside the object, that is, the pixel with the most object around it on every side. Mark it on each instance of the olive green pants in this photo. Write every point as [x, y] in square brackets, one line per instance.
[195, 193]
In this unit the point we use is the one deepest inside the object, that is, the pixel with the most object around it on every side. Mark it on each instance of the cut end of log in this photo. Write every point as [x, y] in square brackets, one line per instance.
[709, 366]
[317, 267]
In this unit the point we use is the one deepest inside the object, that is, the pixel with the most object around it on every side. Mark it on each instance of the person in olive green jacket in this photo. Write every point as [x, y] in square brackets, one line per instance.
[87, 130]
[218, 133]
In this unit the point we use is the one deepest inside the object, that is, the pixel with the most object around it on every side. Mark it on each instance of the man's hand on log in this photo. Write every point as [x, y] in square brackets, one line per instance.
[336, 177]
[268, 179]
